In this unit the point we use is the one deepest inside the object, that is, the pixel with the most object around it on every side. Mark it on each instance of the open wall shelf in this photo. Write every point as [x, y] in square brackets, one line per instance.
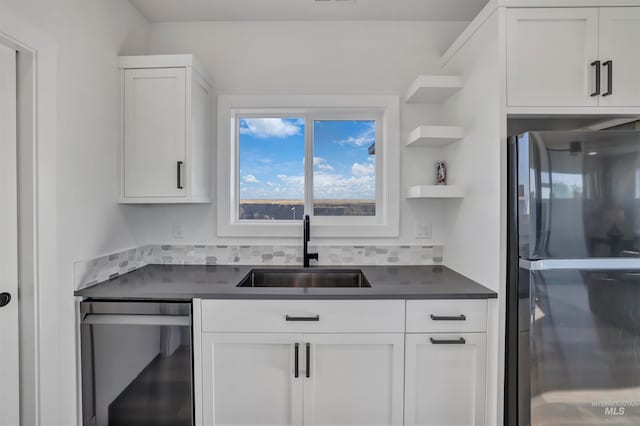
[433, 89]
[435, 191]
[434, 136]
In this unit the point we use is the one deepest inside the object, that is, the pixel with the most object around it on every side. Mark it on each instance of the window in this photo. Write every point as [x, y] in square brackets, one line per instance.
[566, 185]
[271, 168]
[338, 163]
[344, 168]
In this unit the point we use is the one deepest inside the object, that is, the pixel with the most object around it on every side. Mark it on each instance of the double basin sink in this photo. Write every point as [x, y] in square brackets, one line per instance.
[305, 278]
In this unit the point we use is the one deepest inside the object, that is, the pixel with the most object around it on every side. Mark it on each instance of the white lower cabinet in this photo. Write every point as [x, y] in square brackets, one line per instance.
[337, 363]
[249, 379]
[288, 379]
[445, 379]
[354, 379]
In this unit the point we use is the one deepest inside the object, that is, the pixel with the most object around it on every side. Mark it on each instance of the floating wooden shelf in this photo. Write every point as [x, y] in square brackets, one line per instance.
[435, 191]
[433, 89]
[434, 136]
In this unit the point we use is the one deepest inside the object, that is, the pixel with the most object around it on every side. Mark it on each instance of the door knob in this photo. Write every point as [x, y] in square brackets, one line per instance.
[5, 298]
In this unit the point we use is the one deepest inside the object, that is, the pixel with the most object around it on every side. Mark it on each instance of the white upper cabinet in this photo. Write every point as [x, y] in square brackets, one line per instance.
[166, 146]
[573, 57]
[154, 131]
[549, 52]
[619, 37]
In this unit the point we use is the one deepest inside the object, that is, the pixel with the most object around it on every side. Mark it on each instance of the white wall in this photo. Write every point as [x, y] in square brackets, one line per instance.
[243, 58]
[89, 35]
[475, 245]
[474, 241]
[309, 58]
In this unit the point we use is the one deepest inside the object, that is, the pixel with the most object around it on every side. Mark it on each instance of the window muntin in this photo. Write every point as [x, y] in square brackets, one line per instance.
[271, 168]
[344, 167]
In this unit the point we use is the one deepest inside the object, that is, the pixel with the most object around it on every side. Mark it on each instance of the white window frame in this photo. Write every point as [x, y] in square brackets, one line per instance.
[383, 109]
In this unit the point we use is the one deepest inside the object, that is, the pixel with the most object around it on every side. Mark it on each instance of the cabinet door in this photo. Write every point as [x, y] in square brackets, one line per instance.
[154, 131]
[354, 379]
[619, 34]
[445, 379]
[249, 379]
[549, 52]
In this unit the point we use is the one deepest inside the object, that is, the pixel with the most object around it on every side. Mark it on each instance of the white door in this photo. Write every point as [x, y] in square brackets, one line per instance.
[9, 363]
[353, 379]
[154, 132]
[445, 379]
[619, 36]
[250, 379]
[549, 56]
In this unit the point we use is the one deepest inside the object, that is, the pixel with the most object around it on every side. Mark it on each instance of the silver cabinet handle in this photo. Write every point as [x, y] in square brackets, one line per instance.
[108, 319]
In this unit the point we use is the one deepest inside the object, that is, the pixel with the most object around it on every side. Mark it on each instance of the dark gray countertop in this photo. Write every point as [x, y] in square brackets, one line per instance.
[178, 282]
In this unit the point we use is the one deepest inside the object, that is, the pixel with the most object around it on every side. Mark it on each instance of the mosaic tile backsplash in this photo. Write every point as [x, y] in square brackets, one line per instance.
[103, 268]
[93, 271]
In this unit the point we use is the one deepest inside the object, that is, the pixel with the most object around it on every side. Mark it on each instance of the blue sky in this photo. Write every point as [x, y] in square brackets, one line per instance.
[272, 159]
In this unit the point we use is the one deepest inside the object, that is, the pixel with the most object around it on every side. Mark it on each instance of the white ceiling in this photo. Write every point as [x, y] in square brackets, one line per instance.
[308, 10]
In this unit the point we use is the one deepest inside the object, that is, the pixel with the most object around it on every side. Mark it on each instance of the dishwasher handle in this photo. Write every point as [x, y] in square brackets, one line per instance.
[119, 319]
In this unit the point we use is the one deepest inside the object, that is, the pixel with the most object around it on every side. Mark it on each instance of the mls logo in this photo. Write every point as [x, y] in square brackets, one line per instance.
[614, 411]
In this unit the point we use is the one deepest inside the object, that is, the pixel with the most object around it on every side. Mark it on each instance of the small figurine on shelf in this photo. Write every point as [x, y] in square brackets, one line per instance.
[441, 173]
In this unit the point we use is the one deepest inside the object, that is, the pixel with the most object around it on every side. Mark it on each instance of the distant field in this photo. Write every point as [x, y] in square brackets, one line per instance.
[294, 209]
[283, 202]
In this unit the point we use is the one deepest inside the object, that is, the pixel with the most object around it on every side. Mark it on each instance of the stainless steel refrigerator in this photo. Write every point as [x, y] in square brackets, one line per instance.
[573, 279]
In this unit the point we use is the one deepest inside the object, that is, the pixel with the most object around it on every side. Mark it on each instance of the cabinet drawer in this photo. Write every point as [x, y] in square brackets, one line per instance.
[303, 316]
[446, 316]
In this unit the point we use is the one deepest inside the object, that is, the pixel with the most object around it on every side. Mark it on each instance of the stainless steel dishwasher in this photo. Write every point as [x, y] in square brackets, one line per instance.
[136, 360]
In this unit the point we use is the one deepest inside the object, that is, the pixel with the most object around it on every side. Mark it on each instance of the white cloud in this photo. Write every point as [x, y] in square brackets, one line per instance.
[298, 180]
[359, 141]
[270, 127]
[251, 179]
[335, 186]
[365, 138]
[363, 169]
[321, 164]
[326, 185]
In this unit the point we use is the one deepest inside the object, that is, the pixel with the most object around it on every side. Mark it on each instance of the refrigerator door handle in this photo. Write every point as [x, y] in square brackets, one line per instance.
[595, 263]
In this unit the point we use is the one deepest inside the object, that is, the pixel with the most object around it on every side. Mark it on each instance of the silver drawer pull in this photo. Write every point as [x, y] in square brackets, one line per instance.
[308, 319]
[448, 318]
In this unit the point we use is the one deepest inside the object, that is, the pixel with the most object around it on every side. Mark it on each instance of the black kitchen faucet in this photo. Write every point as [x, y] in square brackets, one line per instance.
[306, 236]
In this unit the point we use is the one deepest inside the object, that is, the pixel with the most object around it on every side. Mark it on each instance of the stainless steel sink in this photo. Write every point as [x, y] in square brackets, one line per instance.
[327, 278]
